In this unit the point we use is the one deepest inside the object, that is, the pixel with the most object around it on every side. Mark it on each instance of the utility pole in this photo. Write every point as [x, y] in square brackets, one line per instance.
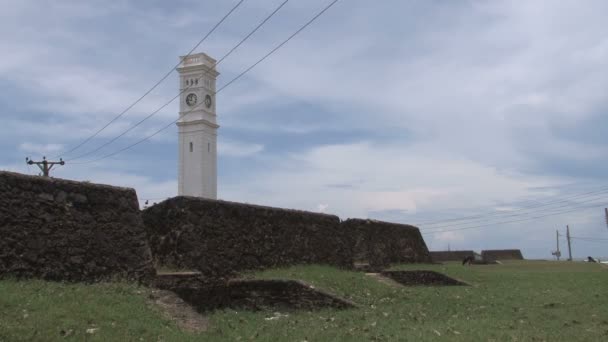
[557, 253]
[606, 211]
[569, 247]
[44, 165]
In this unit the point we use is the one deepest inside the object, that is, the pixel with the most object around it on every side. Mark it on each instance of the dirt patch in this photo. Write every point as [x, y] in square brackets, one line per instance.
[384, 280]
[191, 280]
[248, 294]
[258, 295]
[364, 266]
[427, 278]
[176, 309]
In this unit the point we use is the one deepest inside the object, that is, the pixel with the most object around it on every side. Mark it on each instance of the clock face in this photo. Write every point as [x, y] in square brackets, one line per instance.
[191, 100]
[208, 101]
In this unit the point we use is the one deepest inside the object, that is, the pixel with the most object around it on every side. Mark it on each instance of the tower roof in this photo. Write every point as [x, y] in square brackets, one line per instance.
[196, 60]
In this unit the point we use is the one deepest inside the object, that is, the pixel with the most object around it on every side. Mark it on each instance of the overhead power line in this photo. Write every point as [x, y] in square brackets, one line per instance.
[589, 238]
[206, 72]
[578, 208]
[506, 215]
[548, 210]
[222, 88]
[155, 85]
[522, 208]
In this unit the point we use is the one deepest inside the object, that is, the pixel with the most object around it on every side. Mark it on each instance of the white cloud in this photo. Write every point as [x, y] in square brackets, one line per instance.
[147, 188]
[447, 237]
[20, 168]
[381, 177]
[238, 149]
[29, 147]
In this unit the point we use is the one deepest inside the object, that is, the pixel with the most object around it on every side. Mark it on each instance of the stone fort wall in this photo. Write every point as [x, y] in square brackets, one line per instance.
[77, 231]
[380, 244]
[501, 254]
[72, 231]
[441, 256]
[219, 237]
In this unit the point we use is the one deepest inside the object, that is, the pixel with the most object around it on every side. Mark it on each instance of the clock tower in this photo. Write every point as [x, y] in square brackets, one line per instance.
[197, 127]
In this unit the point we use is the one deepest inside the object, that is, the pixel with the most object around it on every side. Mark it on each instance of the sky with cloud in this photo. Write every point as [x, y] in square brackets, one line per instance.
[408, 111]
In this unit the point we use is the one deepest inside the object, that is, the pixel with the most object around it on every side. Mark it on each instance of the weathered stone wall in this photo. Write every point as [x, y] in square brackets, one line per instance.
[70, 231]
[382, 243]
[441, 256]
[501, 254]
[218, 238]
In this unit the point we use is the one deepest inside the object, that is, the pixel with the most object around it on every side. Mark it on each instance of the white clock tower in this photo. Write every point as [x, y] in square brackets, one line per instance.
[197, 127]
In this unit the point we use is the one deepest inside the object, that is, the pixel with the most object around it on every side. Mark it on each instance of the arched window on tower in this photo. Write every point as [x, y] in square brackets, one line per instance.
[191, 147]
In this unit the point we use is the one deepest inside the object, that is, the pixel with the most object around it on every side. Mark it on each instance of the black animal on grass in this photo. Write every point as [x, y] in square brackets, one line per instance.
[468, 260]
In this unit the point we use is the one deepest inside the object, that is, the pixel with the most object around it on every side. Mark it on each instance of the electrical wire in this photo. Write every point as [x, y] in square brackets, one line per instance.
[155, 85]
[585, 240]
[280, 45]
[529, 212]
[222, 88]
[206, 73]
[588, 238]
[579, 208]
[470, 218]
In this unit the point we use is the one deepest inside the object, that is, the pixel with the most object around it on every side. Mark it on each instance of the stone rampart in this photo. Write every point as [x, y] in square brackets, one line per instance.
[442, 256]
[380, 244]
[501, 254]
[70, 231]
[219, 238]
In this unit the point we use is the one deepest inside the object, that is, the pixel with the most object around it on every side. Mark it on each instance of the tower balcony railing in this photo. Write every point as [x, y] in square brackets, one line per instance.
[193, 60]
[198, 59]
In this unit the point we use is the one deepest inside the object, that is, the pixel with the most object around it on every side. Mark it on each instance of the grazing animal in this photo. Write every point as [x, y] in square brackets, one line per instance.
[468, 260]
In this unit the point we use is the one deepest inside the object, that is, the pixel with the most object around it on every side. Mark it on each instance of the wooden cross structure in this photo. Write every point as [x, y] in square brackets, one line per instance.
[45, 165]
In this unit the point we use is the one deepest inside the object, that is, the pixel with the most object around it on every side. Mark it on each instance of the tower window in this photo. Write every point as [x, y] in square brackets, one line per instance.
[208, 147]
[191, 147]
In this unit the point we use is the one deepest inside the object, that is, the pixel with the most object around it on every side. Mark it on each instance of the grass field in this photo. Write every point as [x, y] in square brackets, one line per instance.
[519, 301]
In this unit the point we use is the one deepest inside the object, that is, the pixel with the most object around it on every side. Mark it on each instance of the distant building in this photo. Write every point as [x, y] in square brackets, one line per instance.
[441, 256]
[501, 254]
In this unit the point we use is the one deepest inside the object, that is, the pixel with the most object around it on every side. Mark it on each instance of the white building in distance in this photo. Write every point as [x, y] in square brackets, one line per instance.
[197, 127]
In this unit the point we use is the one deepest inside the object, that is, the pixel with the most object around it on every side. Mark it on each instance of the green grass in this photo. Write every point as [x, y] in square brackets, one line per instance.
[46, 311]
[520, 301]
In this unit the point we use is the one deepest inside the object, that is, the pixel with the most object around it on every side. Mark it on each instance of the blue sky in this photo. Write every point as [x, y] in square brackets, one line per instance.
[409, 111]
